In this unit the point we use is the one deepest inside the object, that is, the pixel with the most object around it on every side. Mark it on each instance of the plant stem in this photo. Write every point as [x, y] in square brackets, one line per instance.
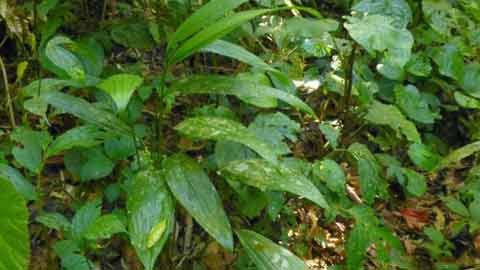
[11, 113]
[348, 81]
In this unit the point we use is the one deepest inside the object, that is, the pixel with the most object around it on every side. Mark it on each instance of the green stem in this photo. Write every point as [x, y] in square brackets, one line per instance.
[11, 113]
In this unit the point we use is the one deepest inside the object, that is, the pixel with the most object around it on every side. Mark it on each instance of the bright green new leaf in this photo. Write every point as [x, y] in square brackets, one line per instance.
[223, 85]
[205, 16]
[423, 156]
[266, 176]
[267, 255]
[213, 32]
[82, 136]
[86, 111]
[121, 88]
[192, 188]
[150, 210]
[219, 129]
[389, 115]
[411, 102]
[14, 239]
[330, 173]
[21, 184]
[397, 9]
[34, 143]
[457, 155]
[466, 101]
[104, 227]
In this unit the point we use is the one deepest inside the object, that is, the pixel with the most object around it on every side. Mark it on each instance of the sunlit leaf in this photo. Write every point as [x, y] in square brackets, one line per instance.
[21, 184]
[121, 88]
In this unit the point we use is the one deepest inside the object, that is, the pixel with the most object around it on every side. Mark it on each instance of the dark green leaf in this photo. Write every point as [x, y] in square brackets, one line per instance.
[104, 227]
[450, 61]
[457, 155]
[34, 144]
[83, 136]
[423, 156]
[21, 184]
[55, 221]
[85, 217]
[330, 173]
[397, 9]
[409, 100]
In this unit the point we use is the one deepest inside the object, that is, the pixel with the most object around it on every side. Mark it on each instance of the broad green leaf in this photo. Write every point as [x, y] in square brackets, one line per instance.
[267, 255]
[416, 183]
[21, 184]
[205, 16]
[76, 262]
[419, 65]
[91, 54]
[470, 79]
[466, 101]
[237, 52]
[330, 132]
[41, 86]
[397, 9]
[88, 163]
[86, 111]
[85, 217]
[34, 143]
[133, 35]
[219, 129]
[212, 33]
[223, 85]
[438, 13]
[358, 241]
[55, 221]
[104, 227]
[266, 176]
[227, 151]
[372, 185]
[150, 210]
[309, 28]
[423, 156]
[121, 88]
[61, 61]
[449, 60]
[409, 100]
[389, 115]
[330, 173]
[119, 147]
[456, 206]
[273, 129]
[192, 188]
[396, 43]
[82, 136]
[14, 238]
[457, 155]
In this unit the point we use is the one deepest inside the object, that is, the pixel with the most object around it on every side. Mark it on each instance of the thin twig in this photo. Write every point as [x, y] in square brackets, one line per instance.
[11, 113]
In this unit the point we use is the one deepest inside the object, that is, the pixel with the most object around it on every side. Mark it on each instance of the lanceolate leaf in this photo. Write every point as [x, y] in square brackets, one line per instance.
[223, 85]
[202, 18]
[266, 176]
[121, 88]
[267, 255]
[83, 136]
[21, 184]
[214, 32]
[14, 240]
[457, 155]
[150, 210]
[219, 129]
[86, 111]
[191, 186]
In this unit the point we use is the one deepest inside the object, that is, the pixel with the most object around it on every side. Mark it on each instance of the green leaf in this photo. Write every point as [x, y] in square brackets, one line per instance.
[274, 128]
[409, 100]
[86, 111]
[223, 85]
[34, 144]
[330, 132]
[416, 183]
[466, 101]
[55, 221]
[14, 238]
[330, 173]
[191, 186]
[419, 65]
[389, 115]
[120, 147]
[91, 54]
[76, 262]
[267, 255]
[88, 163]
[396, 43]
[83, 136]
[21, 184]
[121, 88]
[397, 9]
[423, 156]
[456, 206]
[85, 217]
[215, 128]
[150, 210]
[104, 227]
[359, 239]
[266, 176]
[371, 183]
[205, 16]
[470, 79]
[438, 14]
[133, 35]
[450, 61]
[457, 155]
[212, 33]
[56, 58]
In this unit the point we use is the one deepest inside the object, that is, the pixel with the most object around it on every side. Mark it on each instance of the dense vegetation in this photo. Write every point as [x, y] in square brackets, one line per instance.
[236, 134]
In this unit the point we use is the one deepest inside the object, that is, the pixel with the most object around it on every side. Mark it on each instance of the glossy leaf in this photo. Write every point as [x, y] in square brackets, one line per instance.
[267, 255]
[121, 88]
[150, 210]
[192, 188]
[83, 136]
[219, 129]
[58, 59]
[14, 238]
[21, 184]
[266, 176]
